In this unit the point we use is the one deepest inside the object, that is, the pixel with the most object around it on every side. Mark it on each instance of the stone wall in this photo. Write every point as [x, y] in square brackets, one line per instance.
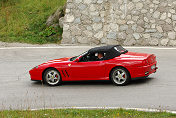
[125, 22]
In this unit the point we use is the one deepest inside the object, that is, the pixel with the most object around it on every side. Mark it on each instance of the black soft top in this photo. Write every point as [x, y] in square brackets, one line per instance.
[110, 50]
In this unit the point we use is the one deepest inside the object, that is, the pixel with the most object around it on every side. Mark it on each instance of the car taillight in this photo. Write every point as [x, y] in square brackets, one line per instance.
[145, 62]
[154, 58]
[149, 60]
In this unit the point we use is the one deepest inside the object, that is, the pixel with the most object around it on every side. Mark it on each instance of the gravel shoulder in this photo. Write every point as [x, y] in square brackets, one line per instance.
[5, 44]
[16, 44]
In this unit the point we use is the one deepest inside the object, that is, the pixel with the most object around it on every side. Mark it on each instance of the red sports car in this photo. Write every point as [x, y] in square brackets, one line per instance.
[100, 63]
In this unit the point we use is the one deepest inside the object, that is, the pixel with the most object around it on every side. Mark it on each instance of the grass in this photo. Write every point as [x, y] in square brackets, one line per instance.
[24, 21]
[78, 113]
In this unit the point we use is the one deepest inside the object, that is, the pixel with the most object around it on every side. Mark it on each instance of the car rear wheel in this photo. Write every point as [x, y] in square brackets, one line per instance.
[120, 76]
[52, 77]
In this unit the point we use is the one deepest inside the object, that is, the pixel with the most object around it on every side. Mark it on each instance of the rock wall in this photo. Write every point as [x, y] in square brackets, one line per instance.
[125, 22]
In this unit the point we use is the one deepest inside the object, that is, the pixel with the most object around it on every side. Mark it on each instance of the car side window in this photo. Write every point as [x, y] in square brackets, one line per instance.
[100, 56]
[86, 58]
[83, 59]
[92, 57]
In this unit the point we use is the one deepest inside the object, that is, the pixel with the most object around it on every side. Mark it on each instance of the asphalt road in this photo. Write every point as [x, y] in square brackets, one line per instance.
[18, 92]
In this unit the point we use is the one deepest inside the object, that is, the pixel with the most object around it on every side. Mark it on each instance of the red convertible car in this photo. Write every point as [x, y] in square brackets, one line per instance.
[100, 63]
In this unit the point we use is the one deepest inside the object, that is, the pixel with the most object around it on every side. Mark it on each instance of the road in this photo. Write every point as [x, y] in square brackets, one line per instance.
[18, 92]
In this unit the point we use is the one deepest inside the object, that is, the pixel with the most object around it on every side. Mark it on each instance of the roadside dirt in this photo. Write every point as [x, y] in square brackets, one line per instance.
[5, 44]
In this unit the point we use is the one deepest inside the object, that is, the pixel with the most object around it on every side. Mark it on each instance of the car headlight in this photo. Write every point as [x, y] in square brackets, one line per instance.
[35, 67]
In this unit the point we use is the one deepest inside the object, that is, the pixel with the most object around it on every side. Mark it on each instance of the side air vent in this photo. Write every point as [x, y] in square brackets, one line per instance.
[67, 73]
[63, 73]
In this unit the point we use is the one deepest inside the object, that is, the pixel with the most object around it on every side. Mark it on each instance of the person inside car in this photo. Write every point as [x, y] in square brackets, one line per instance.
[100, 56]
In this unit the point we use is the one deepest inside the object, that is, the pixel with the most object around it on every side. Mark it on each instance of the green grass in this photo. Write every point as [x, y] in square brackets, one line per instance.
[24, 21]
[77, 113]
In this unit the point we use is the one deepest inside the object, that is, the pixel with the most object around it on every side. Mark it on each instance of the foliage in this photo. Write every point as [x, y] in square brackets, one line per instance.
[78, 113]
[24, 21]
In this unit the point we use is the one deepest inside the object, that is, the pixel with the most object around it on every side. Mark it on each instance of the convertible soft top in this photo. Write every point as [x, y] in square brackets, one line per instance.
[110, 50]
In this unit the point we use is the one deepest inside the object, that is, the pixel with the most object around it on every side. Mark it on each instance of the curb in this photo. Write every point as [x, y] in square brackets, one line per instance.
[93, 108]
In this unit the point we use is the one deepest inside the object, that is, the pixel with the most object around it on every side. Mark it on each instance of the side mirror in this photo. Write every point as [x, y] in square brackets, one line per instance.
[77, 60]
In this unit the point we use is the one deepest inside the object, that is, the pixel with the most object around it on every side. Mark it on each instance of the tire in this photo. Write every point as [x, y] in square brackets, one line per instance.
[52, 77]
[120, 76]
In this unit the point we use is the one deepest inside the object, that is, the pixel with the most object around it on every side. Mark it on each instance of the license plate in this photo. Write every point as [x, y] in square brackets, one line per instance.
[153, 67]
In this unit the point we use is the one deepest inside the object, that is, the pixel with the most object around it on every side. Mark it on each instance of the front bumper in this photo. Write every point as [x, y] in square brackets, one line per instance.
[35, 74]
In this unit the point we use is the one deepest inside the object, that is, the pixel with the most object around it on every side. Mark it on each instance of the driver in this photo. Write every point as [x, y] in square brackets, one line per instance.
[100, 56]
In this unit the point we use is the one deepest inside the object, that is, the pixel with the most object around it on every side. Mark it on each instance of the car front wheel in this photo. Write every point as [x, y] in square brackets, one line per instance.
[52, 77]
[120, 76]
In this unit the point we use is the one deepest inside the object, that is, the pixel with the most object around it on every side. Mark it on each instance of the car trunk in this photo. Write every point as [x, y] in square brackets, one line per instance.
[146, 58]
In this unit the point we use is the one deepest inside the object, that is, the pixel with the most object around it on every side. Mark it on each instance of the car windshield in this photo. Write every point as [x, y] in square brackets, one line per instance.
[75, 57]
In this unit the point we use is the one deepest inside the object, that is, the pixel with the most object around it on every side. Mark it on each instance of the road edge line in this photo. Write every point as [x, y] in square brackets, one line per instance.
[66, 47]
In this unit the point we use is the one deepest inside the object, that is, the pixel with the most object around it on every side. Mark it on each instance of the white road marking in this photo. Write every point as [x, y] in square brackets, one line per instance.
[66, 47]
[137, 109]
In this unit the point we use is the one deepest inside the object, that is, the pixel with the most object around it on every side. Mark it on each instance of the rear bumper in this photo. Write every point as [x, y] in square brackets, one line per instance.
[140, 78]
[150, 71]
[143, 71]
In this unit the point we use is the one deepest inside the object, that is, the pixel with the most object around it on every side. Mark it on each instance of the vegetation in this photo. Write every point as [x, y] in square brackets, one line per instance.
[78, 113]
[24, 21]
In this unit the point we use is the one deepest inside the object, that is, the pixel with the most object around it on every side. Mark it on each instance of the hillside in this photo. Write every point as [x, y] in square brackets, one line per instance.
[24, 21]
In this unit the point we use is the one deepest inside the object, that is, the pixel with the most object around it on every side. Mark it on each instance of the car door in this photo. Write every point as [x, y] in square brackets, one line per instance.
[93, 70]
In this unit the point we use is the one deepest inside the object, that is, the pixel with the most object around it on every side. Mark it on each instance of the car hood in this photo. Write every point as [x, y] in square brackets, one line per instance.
[135, 55]
[66, 59]
[59, 60]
